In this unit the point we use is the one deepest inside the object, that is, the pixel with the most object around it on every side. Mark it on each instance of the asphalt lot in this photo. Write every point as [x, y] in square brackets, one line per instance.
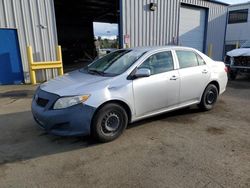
[186, 148]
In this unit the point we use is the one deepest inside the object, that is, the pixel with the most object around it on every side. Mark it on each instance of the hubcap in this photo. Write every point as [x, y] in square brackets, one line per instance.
[110, 123]
[211, 97]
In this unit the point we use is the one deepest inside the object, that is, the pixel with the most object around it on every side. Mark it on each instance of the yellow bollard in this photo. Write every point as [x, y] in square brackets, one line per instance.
[237, 44]
[33, 66]
[210, 50]
[31, 61]
[59, 58]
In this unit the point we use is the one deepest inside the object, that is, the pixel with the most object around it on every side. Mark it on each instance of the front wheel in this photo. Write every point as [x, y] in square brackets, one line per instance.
[109, 122]
[209, 97]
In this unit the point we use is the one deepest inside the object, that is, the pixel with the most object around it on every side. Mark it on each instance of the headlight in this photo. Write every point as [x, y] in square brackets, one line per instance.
[66, 102]
[231, 60]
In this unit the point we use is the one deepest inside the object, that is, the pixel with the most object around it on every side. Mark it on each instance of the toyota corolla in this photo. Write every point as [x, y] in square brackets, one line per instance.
[125, 86]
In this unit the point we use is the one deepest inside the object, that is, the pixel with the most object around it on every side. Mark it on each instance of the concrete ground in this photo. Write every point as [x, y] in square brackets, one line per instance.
[186, 148]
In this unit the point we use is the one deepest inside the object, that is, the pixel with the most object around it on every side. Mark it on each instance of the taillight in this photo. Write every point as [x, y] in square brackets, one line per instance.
[226, 69]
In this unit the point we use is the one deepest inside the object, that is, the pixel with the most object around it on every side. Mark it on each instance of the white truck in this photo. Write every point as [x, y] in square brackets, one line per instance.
[238, 60]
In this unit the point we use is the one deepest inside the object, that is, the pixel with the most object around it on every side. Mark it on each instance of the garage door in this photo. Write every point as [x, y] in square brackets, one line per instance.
[192, 27]
[11, 71]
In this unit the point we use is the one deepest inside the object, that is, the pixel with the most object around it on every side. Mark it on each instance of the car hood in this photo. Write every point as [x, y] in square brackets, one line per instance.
[74, 83]
[239, 52]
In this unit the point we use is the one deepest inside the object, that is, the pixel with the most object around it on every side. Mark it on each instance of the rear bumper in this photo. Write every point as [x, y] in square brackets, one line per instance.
[72, 121]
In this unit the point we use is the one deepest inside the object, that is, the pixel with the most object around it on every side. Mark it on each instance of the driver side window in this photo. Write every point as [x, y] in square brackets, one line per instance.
[159, 63]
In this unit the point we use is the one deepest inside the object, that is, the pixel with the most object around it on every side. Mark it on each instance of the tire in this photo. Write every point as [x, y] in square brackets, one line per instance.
[109, 122]
[209, 97]
[232, 75]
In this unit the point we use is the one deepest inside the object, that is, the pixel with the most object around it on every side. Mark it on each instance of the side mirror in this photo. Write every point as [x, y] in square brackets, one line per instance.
[142, 72]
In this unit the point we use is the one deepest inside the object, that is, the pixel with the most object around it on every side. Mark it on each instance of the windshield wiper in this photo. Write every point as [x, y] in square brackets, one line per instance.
[96, 72]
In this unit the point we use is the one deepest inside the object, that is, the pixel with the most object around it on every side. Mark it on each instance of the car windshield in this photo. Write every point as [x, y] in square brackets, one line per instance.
[246, 44]
[114, 63]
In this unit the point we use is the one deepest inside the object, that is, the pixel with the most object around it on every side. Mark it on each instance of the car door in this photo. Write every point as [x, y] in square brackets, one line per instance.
[194, 76]
[161, 89]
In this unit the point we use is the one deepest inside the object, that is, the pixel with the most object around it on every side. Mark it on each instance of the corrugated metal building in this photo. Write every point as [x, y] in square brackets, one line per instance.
[39, 23]
[163, 26]
[238, 28]
[34, 23]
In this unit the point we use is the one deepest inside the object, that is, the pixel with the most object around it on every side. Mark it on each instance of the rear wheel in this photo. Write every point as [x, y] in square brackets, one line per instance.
[109, 122]
[209, 97]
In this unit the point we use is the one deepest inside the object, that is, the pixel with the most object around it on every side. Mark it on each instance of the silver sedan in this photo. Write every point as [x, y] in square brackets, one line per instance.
[125, 86]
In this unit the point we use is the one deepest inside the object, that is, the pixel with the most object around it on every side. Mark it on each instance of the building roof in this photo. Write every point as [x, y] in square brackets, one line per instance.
[218, 2]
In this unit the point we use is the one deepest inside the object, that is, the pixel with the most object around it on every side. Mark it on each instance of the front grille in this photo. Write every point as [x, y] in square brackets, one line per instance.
[242, 61]
[42, 102]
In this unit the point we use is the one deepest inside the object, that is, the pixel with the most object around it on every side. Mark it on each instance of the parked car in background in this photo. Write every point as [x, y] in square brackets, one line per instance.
[238, 60]
[125, 86]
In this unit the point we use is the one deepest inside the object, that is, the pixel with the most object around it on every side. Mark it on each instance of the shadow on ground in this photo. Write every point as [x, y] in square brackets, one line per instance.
[178, 116]
[17, 94]
[21, 139]
[240, 82]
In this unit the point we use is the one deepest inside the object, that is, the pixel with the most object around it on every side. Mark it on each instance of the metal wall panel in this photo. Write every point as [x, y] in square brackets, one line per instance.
[192, 27]
[36, 26]
[238, 32]
[160, 27]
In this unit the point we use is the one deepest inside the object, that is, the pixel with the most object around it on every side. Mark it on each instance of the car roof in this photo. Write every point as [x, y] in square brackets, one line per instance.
[155, 48]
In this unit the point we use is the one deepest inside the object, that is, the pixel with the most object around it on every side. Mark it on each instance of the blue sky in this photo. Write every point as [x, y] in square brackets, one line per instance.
[105, 30]
[234, 1]
[110, 31]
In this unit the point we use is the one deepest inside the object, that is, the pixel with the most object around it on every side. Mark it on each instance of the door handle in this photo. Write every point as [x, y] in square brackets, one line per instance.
[204, 71]
[174, 77]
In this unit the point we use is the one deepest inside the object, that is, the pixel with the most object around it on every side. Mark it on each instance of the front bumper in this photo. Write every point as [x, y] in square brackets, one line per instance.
[72, 121]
